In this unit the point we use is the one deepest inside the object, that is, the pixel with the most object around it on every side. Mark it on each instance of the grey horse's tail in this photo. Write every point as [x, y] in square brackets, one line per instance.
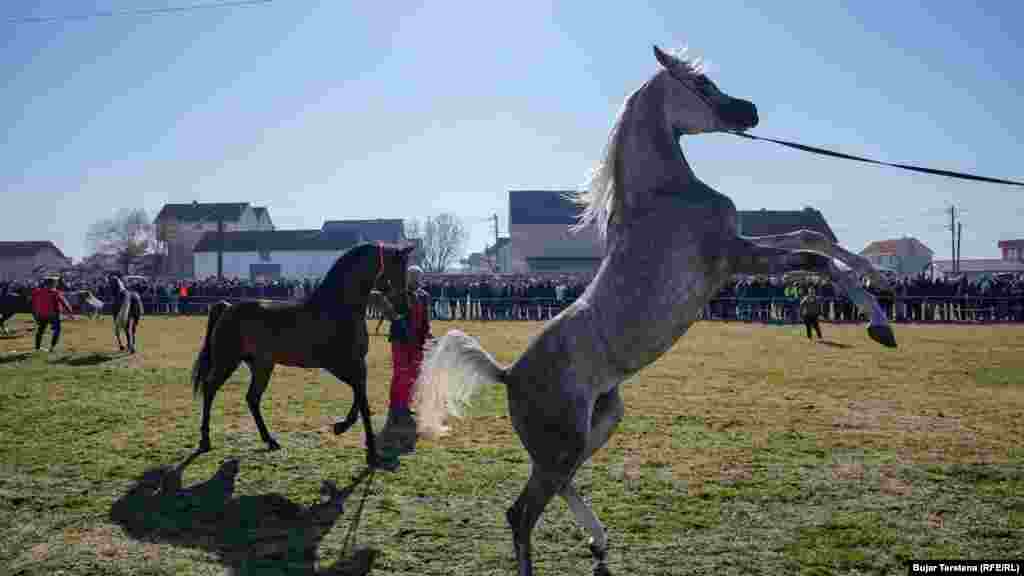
[454, 369]
[136, 311]
[202, 363]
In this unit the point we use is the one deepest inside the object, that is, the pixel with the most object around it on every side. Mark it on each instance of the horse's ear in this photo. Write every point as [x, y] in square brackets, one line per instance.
[664, 59]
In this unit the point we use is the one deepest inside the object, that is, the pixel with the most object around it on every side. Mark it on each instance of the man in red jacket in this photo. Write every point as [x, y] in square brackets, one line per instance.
[47, 304]
[410, 331]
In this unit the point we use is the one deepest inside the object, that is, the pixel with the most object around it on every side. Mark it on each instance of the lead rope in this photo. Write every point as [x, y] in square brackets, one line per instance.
[912, 168]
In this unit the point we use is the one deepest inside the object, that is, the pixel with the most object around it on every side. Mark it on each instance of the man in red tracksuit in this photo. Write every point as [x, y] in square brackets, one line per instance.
[410, 331]
[47, 304]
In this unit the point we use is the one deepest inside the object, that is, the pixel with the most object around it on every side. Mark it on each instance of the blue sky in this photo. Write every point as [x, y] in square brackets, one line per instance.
[327, 110]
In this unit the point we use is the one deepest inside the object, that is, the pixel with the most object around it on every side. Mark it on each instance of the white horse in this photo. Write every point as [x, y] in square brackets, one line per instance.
[87, 303]
[127, 311]
[671, 244]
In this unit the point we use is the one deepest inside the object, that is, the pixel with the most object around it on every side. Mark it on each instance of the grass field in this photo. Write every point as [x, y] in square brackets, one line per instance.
[746, 449]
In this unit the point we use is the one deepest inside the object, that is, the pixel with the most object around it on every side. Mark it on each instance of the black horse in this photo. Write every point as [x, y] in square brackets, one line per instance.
[14, 301]
[327, 330]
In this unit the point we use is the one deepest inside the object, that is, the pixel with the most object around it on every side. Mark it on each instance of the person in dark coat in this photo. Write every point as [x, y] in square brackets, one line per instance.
[810, 309]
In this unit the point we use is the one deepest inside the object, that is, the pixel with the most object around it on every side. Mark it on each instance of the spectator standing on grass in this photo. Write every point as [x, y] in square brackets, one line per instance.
[810, 309]
[47, 304]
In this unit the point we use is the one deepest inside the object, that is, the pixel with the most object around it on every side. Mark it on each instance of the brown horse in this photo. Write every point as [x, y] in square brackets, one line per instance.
[327, 330]
[13, 301]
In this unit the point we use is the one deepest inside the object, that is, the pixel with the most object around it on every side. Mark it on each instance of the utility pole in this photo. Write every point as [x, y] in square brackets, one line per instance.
[959, 242]
[220, 236]
[495, 218]
[220, 247]
[952, 233]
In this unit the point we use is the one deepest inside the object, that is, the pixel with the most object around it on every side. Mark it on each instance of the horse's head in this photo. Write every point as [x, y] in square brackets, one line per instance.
[679, 99]
[391, 265]
[116, 284]
[694, 104]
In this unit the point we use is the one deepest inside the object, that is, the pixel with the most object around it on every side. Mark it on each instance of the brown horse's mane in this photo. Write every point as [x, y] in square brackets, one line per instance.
[326, 294]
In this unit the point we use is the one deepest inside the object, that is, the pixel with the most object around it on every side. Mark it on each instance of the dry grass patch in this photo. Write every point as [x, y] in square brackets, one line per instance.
[746, 446]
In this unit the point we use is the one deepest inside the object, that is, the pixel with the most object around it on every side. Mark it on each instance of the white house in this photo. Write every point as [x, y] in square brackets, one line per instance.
[26, 260]
[293, 254]
[181, 226]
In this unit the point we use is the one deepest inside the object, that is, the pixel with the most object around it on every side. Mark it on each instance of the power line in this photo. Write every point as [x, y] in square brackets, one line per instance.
[143, 12]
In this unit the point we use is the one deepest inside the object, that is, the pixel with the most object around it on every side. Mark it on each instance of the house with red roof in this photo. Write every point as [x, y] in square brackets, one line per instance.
[904, 256]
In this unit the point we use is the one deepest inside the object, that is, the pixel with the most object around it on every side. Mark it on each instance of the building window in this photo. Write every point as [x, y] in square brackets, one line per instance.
[1011, 253]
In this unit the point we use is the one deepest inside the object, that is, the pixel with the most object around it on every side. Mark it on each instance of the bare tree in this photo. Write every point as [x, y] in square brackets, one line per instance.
[414, 233]
[128, 235]
[442, 240]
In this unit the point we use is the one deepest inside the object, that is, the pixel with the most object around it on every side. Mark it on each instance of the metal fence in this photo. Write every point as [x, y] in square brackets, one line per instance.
[766, 310]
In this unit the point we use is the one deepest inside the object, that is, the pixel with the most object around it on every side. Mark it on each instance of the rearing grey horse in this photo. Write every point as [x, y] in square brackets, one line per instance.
[671, 244]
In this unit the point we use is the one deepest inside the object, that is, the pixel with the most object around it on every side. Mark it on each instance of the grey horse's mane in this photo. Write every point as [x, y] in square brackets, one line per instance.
[599, 196]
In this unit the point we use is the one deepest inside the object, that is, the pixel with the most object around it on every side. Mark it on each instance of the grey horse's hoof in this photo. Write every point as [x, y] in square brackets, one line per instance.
[599, 554]
[883, 335]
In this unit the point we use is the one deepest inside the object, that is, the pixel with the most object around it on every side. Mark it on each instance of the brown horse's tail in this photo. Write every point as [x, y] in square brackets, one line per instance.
[202, 364]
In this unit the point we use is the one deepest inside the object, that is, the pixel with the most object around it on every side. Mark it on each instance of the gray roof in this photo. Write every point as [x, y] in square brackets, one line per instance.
[541, 207]
[15, 249]
[768, 222]
[551, 207]
[194, 212]
[379, 230]
[980, 265]
[277, 240]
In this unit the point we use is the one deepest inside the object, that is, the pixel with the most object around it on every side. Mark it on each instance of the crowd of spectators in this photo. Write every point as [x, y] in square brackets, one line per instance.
[910, 299]
[540, 296]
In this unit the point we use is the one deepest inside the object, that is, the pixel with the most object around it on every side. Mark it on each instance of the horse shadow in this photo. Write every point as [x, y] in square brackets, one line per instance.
[15, 357]
[88, 360]
[834, 344]
[251, 535]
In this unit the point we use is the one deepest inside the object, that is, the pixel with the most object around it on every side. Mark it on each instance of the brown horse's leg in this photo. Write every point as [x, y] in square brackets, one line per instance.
[260, 370]
[211, 384]
[356, 377]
